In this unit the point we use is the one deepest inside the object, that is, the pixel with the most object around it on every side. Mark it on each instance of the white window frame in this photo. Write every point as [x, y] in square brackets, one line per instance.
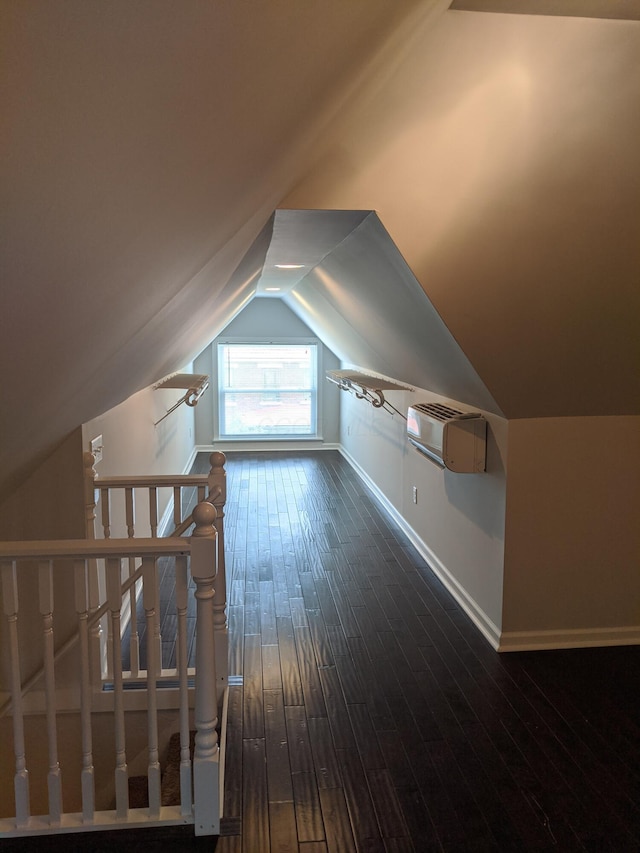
[316, 395]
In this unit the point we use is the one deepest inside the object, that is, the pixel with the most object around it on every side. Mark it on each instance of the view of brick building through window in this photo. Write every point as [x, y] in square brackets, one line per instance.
[267, 389]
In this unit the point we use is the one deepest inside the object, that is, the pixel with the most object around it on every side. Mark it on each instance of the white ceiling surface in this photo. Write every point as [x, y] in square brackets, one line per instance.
[149, 143]
[302, 238]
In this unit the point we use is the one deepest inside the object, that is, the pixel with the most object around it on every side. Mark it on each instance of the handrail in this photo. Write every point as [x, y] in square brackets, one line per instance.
[148, 481]
[92, 549]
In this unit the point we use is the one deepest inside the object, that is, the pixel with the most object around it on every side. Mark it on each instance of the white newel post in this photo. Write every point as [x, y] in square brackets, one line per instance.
[218, 481]
[207, 753]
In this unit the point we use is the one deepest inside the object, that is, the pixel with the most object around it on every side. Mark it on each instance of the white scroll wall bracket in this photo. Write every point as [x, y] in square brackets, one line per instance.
[368, 387]
[195, 384]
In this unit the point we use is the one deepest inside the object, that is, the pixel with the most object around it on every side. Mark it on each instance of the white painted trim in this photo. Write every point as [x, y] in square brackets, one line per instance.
[570, 638]
[223, 749]
[192, 458]
[103, 820]
[250, 446]
[486, 626]
[34, 703]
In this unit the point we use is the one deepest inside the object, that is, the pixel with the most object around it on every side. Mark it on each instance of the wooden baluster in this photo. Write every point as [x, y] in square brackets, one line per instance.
[105, 507]
[21, 778]
[182, 651]
[134, 637]
[130, 511]
[207, 754]
[91, 500]
[156, 636]
[114, 599]
[202, 493]
[177, 506]
[151, 605]
[105, 511]
[80, 569]
[54, 781]
[218, 479]
[153, 511]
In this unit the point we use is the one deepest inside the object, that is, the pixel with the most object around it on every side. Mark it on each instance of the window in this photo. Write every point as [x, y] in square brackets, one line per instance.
[267, 390]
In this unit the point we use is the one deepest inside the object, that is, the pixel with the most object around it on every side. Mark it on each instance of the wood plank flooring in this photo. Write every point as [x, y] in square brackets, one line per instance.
[369, 714]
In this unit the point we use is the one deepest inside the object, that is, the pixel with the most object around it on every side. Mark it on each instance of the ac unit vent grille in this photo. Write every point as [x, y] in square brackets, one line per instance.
[438, 410]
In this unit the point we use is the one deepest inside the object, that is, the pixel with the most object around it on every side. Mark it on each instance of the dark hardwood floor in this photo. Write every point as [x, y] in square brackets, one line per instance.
[369, 714]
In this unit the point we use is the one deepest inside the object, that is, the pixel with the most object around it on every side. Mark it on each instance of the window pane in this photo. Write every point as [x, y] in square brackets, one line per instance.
[267, 389]
[267, 413]
[250, 366]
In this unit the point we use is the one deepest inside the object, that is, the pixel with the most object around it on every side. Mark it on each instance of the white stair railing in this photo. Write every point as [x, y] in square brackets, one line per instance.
[200, 806]
[143, 492]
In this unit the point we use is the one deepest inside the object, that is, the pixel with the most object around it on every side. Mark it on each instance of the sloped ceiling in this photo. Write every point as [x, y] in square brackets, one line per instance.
[148, 144]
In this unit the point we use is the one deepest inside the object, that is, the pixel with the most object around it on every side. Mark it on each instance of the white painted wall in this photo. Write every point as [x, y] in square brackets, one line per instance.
[459, 520]
[266, 317]
[48, 505]
[133, 445]
[572, 554]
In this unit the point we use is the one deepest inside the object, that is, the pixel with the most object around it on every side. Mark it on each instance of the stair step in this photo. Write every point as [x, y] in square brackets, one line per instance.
[170, 795]
[170, 785]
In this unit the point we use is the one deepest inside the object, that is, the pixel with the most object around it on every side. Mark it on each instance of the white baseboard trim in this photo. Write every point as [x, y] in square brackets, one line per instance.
[505, 641]
[167, 516]
[571, 638]
[192, 458]
[485, 625]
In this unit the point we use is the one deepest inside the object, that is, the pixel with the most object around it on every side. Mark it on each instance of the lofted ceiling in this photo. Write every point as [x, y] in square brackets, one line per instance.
[463, 190]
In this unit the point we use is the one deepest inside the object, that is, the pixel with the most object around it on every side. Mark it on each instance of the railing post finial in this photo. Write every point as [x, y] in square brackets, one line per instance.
[204, 516]
[217, 459]
[218, 476]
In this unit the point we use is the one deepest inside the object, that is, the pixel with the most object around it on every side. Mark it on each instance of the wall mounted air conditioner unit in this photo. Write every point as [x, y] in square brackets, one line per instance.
[452, 439]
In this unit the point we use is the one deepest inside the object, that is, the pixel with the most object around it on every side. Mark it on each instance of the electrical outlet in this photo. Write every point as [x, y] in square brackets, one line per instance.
[96, 448]
[415, 494]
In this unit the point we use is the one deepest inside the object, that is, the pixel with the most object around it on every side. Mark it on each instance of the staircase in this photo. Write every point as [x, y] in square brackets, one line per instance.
[79, 713]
